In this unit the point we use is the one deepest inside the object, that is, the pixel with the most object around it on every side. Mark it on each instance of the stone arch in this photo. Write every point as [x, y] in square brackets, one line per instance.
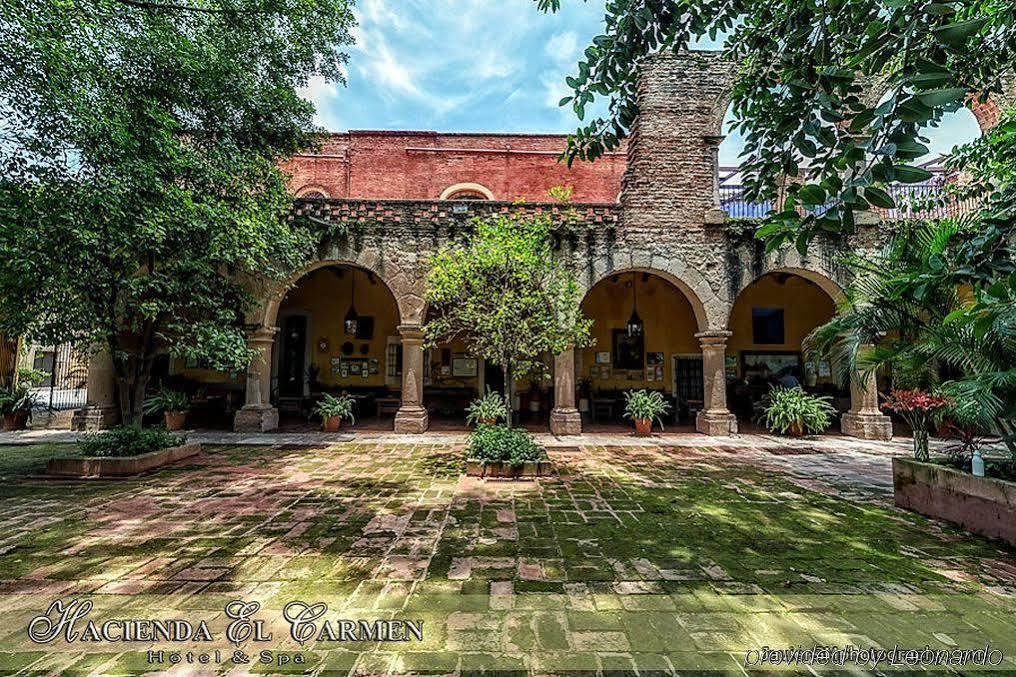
[269, 309]
[819, 279]
[698, 308]
[309, 190]
[449, 192]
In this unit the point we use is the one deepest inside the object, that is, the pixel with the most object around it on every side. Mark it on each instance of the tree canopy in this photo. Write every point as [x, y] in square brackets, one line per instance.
[802, 95]
[506, 296]
[139, 180]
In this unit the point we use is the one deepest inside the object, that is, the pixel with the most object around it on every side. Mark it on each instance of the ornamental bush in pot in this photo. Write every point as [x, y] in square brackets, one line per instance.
[487, 410]
[643, 407]
[16, 404]
[126, 441]
[333, 410]
[791, 411]
[919, 409]
[491, 444]
[172, 403]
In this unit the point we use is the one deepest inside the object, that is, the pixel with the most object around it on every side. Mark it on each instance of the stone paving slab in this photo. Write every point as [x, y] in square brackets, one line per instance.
[639, 557]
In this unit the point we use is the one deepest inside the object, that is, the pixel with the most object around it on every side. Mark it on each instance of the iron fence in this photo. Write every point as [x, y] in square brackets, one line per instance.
[916, 201]
[65, 384]
[733, 201]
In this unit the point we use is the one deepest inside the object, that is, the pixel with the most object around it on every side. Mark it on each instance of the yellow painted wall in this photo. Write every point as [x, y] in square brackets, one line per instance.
[438, 380]
[805, 306]
[325, 297]
[670, 326]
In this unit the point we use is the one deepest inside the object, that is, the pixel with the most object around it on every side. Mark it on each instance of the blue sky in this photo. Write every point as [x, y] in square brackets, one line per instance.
[478, 66]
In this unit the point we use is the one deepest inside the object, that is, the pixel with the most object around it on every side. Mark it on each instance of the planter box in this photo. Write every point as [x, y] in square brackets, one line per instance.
[983, 505]
[120, 466]
[506, 471]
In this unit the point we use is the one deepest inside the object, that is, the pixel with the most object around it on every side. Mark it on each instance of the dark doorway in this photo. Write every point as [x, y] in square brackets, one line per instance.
[292, 368]
[493, 378]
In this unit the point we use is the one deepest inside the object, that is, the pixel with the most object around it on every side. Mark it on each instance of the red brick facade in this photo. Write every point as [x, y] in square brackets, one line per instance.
[424, 165]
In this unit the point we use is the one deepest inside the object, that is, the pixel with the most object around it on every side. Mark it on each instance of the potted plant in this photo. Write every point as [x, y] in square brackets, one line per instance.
[16, 403]
[791, 411]
[500, 451]
[333, 410]
[919, 409]
[174, 405]
[643, 407]
[487, 410]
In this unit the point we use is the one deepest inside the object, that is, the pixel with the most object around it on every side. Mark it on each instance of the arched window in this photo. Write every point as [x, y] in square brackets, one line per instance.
[467, 191]
[311, 193]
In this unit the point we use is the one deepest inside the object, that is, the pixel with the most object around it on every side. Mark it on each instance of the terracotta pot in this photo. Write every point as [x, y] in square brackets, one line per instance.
[175, 420]
[333, 424]
[488, 421]
[643, 427]
[795, 430]
[16, 420]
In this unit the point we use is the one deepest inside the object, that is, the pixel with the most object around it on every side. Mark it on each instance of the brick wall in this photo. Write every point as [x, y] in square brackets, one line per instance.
[421, 165]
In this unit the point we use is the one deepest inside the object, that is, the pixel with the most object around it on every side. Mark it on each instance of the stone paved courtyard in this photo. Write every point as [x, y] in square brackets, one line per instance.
[659, 557]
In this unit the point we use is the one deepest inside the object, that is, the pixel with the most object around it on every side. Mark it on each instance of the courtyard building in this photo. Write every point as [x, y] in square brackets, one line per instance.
[683, 299]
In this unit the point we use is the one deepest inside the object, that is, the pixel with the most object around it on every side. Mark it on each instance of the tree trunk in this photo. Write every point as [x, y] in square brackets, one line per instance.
[506, 372]
[133, 373]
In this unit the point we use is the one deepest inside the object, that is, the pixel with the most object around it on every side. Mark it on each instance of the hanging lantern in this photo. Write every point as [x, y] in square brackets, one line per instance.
[352, 321]
[635, 326]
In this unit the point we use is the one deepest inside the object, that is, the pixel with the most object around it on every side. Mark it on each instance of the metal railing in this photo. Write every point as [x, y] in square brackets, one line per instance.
[65, 385]
[928, 200]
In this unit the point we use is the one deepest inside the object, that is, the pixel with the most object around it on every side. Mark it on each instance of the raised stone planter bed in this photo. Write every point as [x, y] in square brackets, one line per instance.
[507, 471]
[983, 505]
[120, 466]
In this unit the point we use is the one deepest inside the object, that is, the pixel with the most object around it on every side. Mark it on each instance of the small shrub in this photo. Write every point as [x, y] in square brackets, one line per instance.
[501, 444]
[16, 399]
[341, 406]
[646, 405]
[127, 441]
[795, 412]
[166, 400]
[488, 409]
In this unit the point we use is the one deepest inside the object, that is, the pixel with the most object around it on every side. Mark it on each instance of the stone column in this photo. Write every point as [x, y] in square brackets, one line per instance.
[565, 418]
[100, 411]
[258, 415]
[715, 214]
[412, 416]
[715, 419]
[865, 420]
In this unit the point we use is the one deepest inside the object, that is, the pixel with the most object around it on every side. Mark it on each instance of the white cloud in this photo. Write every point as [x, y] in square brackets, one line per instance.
[563, 47]
[462, 64]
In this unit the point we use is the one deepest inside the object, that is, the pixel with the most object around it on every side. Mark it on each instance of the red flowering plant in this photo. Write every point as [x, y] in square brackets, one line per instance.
[919, 409]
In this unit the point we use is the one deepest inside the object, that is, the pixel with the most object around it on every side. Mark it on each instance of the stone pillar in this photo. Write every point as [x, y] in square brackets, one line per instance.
[715, 419]
[412, 416]
[865, 420]
[100, 411]
[258, 415]
[565, 418]
[715, 214]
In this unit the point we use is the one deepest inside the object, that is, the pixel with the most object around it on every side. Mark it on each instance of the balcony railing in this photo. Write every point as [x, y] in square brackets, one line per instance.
[914, 201]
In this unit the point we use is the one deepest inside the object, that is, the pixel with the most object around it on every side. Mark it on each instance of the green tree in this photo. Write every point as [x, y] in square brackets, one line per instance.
[506, 296]
[140, 189]
[943, 294]
[801, 96]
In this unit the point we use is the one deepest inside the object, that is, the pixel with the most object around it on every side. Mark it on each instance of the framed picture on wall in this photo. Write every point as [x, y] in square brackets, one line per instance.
[464, 367]
[654, 358]
[768, 365]
[603, 357]
[629, 351]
